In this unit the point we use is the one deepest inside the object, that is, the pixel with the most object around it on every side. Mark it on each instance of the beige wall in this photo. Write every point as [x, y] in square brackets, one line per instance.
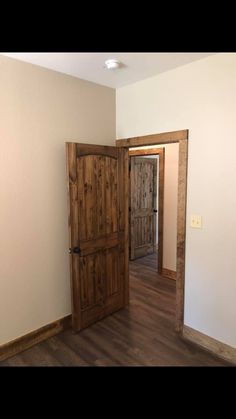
[40, 110]
[170, 204]
[201, 97]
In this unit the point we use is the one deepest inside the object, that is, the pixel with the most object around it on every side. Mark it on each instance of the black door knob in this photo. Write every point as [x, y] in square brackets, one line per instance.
[74, 250]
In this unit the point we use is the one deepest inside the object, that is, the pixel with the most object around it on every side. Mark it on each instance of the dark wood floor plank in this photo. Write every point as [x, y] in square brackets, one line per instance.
[110, 347]
[63, 353]
[78, 344]
[15, 361]
[141, 334]
[39, 355]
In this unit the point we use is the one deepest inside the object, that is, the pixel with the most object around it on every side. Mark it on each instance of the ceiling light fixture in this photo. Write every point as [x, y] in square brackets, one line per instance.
[112, 64]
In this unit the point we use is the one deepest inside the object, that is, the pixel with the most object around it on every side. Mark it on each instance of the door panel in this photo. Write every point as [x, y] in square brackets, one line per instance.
[143, 181]
[112, 259]
[98, 225]
[91, 280]
[97, 194]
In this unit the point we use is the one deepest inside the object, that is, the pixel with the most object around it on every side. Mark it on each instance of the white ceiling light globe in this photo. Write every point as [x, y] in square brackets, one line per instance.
[112, 64]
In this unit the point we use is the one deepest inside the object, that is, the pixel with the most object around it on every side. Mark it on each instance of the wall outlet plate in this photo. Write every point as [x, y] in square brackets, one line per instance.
[196, 221]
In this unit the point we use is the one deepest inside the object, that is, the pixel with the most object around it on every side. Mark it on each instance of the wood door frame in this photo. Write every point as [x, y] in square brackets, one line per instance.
[161, 153]
[180, 137]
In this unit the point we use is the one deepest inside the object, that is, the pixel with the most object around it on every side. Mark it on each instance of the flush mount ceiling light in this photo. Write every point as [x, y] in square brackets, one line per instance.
[112, 64]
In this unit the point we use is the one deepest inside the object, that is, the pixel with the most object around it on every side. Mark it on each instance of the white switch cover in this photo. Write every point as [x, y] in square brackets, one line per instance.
[196, 221]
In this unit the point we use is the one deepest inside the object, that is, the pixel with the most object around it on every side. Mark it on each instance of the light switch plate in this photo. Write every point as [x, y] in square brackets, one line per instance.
[196, 221]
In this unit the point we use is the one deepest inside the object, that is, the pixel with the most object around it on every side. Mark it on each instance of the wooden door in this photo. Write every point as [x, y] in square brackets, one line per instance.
[143, 192]
[98, 227]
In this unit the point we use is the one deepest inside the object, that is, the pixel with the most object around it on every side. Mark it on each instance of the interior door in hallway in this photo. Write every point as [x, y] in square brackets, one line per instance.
[143, 196]
[98, 228]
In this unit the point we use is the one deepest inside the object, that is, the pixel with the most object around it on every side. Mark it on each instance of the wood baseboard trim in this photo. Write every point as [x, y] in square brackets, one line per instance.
[167, 273]
[30, 339]
[220, 349]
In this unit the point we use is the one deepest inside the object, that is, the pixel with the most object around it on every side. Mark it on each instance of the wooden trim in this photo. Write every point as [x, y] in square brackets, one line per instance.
[126, 230]
[30, 339]
[161, 153]
[145, 152]
[181, 232]
[161, 209]
[222, 350]
[180, 137]
[162, 138]
[167, 273]
[131, 220]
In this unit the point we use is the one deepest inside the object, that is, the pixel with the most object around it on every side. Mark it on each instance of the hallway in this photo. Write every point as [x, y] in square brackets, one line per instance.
[141, 334]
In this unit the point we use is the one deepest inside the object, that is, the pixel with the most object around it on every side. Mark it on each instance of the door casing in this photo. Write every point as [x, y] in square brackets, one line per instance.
[180, 137]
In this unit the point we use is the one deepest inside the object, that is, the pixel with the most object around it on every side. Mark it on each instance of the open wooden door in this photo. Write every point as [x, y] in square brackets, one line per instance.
[143, 193]
[98, 227]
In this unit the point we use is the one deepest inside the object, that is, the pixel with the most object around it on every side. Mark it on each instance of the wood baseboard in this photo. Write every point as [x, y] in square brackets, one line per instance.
[30, 339]
[167, 273]
[222, 350]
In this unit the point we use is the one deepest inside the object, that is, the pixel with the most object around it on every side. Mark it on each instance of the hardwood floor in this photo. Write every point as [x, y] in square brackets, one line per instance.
[141, 334]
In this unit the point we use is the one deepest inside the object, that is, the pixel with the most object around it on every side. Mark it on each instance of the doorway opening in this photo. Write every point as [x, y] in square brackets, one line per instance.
[180, 137]
[146, 204]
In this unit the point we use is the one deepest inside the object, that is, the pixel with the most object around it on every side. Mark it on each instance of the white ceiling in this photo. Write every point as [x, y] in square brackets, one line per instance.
[90, 66]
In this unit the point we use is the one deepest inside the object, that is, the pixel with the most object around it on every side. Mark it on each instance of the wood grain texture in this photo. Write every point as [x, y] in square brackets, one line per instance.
[97, 201]
[142, 333]
[168, 273]
[162, 138]
[161, 187]
[125, 207]
[226, 352]
[181, 232]
[145, 152]
[94, 149]
[143, 189]
[30, 339]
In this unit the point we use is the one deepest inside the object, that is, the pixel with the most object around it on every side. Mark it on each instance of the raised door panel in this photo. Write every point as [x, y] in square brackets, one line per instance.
[143, 203]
